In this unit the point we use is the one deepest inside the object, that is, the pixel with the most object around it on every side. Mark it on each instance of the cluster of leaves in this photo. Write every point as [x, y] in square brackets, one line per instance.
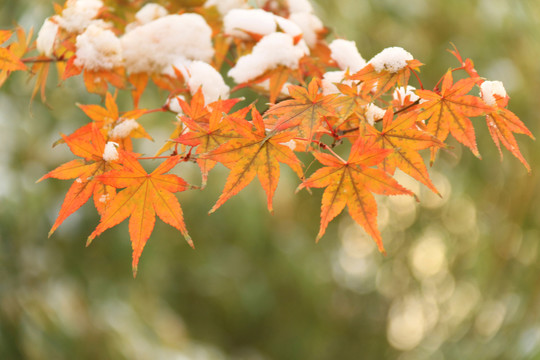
[299, 119]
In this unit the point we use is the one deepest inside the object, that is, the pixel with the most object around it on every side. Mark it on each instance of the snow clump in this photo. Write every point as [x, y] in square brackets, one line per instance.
[273, 50]
[310, 25]
[203, 75]
[155, 46]
[391, 59]
[224, 6]
[373, 112]
[150, 12]
[98, 49]
[400, 93]
[490, 88]
[122, 130]
[47, 36]
[299, 6]
[240, 22]
[346, 55]
[110, 153]
[79, 14]
[329, 80]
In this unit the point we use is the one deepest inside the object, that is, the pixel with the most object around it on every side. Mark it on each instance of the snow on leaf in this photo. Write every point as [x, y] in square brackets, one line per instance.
[381, 81]
[449, 110]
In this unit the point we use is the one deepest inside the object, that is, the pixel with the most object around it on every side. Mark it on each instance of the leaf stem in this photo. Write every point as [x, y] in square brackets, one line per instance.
[39, 59]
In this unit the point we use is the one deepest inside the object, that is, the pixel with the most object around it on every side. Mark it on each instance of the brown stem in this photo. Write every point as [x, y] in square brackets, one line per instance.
[37, 59]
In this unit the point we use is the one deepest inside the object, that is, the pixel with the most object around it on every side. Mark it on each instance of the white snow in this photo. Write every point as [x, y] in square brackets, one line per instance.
[98, 49]
[391, 59]
[346, 55]
[329, 79]
[124, 129]
[299, 6]
[239, 22]
[110, 153]
[288, 26]
[265, 85]
[400, 93]
[257, 21]
[201, 74]
[197, 74]
[47, 37]
[174, 105]
[150, 12]
[78, 14]
[490, 88]
[291, 144]
[309, 24]
[271, 51]
[154, 46]
[224, 6]
[373, 112]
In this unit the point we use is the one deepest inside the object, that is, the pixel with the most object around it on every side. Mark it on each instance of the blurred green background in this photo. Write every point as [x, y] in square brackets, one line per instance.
[462, 275]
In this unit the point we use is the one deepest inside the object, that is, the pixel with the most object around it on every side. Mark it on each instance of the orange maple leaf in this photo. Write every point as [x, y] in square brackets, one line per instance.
[502, 123]
[207, 136]
[254, 154]
[449, 110]
[351, 183]
[196, 115]
[107, 118]
[305, 112]
[144, 196]
[10, 56]
[380, 82]
[405, 140]
[84, 171]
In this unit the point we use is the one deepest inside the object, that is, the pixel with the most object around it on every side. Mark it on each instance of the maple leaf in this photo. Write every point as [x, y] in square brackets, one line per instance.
[96, 81]
[305, 112]
[107, 118]
[139, 82]
[84, 171]
[254, 154]
[10, 56]
[10, 62]
[402, 136]
[351, 183]
[208, 136]
[449, 110]
[196, 116]
[41, 69]
[380, 82]
[144, 196]
[502, 123]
